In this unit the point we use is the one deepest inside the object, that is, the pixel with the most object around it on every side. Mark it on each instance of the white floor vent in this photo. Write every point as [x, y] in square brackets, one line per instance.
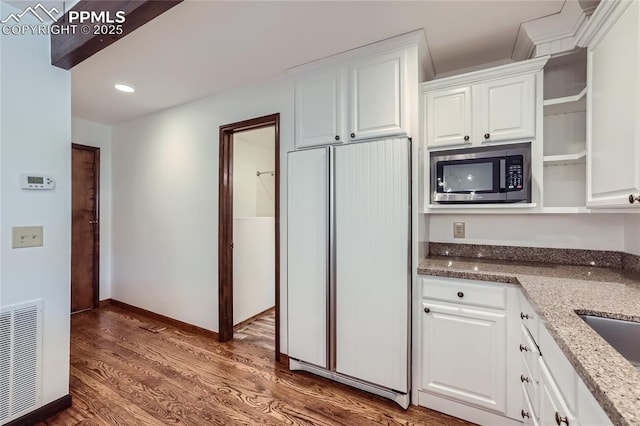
[20, 359]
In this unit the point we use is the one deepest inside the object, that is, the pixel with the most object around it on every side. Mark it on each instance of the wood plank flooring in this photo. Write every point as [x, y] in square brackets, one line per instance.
[124, 375]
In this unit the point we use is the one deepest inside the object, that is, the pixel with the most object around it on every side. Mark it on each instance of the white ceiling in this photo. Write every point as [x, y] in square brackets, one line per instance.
[200, 48]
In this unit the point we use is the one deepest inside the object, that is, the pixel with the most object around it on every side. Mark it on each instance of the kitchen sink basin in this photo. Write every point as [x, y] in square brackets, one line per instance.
[623, 335]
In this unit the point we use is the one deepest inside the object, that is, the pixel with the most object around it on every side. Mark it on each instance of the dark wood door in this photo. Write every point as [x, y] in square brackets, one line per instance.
[85, 172]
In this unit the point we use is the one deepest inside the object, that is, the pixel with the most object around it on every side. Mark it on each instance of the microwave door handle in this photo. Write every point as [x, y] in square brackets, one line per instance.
[503, 172]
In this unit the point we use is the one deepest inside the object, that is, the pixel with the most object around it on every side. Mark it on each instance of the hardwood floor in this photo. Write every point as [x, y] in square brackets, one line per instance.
[258, 332]
[124, 375]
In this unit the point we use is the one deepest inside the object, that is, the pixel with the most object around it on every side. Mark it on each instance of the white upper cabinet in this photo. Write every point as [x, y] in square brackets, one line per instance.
[613, 110]
[366, 93]
[494, 105]
[376, 95]
[448, 116]
[507, 109]
[319, 105]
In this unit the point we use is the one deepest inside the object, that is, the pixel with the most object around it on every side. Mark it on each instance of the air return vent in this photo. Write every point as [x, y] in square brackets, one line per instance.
[20, 359]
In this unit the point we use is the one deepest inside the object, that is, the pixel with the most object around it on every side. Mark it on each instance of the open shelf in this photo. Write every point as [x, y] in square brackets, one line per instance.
[566, 104]
[579, 157]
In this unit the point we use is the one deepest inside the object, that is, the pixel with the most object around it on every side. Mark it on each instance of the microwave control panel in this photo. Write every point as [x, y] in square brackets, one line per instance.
[515, 172]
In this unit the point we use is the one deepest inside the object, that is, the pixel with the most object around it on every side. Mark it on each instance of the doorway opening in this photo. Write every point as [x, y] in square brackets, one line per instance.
[248, 226]
[85, 227]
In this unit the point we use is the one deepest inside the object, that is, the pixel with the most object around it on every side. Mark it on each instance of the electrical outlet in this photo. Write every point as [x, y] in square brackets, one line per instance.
[458, 229]
[26, 236]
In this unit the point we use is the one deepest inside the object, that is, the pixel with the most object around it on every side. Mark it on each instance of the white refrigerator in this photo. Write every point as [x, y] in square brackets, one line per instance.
[349, 280]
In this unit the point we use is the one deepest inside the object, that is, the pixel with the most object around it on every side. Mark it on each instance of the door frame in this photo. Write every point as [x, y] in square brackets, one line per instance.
[96, 229]
[225, 224]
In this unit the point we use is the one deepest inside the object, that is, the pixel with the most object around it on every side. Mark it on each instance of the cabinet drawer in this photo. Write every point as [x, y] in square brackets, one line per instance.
[560, 368]
[528, 413]
[531, 387]
[530, 353]
[529, 318]
[477, 293]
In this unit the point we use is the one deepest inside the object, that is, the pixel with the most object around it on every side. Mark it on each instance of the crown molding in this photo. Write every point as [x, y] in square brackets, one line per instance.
[508, 70]
[413, 38]
[552, 34]
[607, 12]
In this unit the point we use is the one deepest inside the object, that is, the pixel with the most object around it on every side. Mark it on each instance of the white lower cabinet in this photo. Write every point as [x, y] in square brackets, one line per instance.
[485, 356]
[469, 367]
[468, 364]
[591, 414]
[554, 409]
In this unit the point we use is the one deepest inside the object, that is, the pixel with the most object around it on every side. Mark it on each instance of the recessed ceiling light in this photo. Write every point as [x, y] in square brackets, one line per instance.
[124, 88]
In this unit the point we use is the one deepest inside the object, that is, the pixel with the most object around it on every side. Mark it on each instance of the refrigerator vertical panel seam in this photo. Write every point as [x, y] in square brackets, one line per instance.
[331, 257]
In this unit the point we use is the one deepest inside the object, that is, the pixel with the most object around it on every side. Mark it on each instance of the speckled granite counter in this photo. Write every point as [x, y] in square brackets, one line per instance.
[557, 292]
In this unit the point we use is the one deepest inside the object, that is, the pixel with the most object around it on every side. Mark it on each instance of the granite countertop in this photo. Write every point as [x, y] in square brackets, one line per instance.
[557, 292]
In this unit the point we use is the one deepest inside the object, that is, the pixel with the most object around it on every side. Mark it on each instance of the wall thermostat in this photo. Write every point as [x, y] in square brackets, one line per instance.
[36, 181]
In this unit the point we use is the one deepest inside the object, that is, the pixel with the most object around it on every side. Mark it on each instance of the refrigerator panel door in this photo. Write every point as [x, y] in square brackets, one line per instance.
[307, 254]
[372, 209]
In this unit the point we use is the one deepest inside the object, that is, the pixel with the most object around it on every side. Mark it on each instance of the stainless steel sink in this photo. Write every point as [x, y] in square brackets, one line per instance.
[624, 336]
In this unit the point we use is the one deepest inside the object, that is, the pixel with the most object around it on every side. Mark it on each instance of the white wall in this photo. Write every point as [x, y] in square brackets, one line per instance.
[35, 136]
[254, 150]
[253, 266]
[85, 132]
[586, 231]
[165, 198]
[253, 236]
[632, 233]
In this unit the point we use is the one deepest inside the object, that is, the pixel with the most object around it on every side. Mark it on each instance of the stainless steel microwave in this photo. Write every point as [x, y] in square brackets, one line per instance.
[495, 174]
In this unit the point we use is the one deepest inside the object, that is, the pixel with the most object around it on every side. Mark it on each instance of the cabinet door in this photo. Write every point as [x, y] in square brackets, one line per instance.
[507, 109]
[377, 98]
[448, 117]
[613, 144]
[553, 409]
[590, 412]
[319, 99]
[307, 241]
[463, 354]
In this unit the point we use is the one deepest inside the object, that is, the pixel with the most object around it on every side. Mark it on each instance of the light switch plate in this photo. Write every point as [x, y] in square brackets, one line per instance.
[458, 229]
[26, 236]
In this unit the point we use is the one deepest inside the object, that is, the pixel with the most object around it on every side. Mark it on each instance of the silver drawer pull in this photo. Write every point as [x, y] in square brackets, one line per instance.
[561, 419]
[524, 348]
[524, 316]
[524, 378]
[524, 414]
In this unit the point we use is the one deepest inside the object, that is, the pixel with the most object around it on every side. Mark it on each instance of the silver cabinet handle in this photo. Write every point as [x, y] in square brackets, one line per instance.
[561, 419]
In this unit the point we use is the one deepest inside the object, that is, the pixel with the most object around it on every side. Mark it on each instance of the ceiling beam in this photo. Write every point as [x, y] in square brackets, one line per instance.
[69, 48]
